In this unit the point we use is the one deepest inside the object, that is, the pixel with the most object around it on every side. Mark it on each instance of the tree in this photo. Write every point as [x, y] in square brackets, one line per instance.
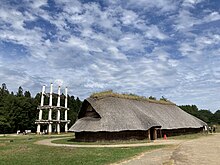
[19, 112]
[27, 94]
[20, 92]
[4, 87]
[74, 105]
[216, 117]
[4, 125]
[191, 109]
[205, 115]
[163, 98]
[3, 90]
[152, 98]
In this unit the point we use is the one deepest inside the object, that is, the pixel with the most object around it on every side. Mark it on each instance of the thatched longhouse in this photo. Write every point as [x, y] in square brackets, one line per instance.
[112, 117]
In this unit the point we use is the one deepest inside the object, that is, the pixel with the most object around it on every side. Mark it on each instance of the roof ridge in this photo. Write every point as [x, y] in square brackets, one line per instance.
[105, 94]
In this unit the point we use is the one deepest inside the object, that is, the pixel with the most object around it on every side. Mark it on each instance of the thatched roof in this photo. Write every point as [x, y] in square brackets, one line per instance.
[110, 93]
[120, 114]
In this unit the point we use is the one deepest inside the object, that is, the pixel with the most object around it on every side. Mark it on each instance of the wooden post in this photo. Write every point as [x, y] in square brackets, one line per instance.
[58, 111]
[155, 133]
[66, 124]
[50, 110]
[40, 111]
[38, 129]
[148, 134]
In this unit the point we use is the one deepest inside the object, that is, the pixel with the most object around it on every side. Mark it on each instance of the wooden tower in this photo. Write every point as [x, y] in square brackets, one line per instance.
[52, 109]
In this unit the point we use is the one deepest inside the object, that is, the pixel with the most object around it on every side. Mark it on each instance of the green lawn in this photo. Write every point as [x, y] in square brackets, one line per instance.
[71, 140]
[218, 128]
[189, 136]
[22, 150]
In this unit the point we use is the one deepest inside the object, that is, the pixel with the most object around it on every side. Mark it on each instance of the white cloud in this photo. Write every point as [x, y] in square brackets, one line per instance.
[38, 3]
[185, 20]
[113, 51]
[214, 16]
[76, 42]
[153, 32]
[191, 3]
[92, 84]
[91, 48]
[163, 6]
[59, 82]
[129, 17]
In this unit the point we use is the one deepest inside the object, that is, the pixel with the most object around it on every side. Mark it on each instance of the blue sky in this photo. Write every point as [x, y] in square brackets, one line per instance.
[164, 48]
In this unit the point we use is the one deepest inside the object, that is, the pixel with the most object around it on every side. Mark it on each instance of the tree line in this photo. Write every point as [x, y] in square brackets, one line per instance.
[205, 115]
[19, 111]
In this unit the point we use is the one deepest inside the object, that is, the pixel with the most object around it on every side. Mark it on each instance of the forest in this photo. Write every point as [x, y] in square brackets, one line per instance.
[18, 111]
[203, 114]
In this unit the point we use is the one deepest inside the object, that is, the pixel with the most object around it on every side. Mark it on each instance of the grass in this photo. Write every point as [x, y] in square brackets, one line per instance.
[71, 140]
[218, 128]
[189, 136]
[22, 150]
[110, 93]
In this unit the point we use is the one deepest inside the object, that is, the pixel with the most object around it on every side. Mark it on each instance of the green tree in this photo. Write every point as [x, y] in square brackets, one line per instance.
[163, 98]
[27, 94]
[205, 115]
[19, 112]
[20, 92]
[191, 109]
[152, 98]
[4, 89]
[4, 125]
[216, 117]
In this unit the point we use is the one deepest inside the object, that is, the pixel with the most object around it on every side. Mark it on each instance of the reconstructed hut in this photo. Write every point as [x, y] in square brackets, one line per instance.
[112, 117]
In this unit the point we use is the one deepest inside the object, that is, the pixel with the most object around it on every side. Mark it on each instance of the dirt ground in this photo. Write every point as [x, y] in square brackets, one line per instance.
[202, 151]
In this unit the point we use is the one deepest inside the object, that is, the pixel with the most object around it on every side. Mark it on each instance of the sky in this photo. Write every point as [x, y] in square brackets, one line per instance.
[158, 48]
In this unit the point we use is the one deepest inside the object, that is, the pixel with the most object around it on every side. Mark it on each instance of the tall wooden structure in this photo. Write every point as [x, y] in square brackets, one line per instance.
[51, 109]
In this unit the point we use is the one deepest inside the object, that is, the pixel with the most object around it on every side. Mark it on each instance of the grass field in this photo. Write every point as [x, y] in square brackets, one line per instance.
[71, 140]
[22, 150]
[189, 136]
[218, 128]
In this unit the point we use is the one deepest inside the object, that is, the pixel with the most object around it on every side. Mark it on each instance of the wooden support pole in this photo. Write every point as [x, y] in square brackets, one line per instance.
[40, 111]
[155, 133]
[42, 102]
[49, 128]
[66, 97]
[38, 129]
[148, 133]
[58, 111]
[50, 110]
[42, 96]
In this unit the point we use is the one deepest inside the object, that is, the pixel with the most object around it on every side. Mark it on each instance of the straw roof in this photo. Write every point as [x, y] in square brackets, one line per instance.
[120, 114]
[110, 93]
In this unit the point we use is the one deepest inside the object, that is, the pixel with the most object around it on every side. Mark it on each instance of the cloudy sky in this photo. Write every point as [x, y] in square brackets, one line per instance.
[167, 48]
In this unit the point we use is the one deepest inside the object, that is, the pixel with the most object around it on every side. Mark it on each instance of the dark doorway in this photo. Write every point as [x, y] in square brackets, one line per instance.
[159, 133]
[152, 134]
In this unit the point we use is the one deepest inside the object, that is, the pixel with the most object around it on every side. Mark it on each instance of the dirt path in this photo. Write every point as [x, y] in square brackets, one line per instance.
[197, 152]
[202, 151]
[48, 142]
